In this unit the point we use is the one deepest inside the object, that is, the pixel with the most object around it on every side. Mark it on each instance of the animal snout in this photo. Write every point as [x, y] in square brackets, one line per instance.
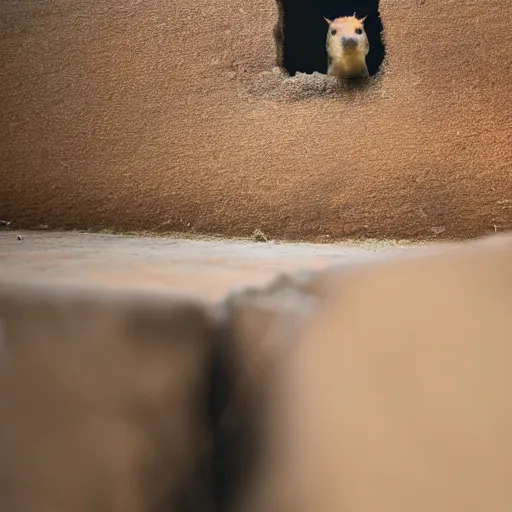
[349, 42]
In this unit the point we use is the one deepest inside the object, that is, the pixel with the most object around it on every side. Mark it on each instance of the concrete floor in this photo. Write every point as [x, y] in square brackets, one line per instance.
[206, 269]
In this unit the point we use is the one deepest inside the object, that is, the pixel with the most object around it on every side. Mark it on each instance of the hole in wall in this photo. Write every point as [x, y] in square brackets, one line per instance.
[301, 32]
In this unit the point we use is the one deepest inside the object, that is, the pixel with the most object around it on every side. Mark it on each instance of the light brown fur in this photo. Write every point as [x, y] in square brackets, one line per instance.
[347, 47]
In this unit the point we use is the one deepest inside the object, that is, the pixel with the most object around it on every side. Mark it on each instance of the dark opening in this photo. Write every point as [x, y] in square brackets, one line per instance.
[301, 32]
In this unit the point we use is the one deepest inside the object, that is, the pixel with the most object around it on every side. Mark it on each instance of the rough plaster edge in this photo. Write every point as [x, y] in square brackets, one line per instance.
[277, 84]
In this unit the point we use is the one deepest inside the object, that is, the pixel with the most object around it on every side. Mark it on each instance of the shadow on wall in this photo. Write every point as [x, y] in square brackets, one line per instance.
[301, 32]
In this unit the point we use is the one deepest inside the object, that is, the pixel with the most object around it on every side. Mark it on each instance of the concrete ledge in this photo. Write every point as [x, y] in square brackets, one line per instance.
[356, 377]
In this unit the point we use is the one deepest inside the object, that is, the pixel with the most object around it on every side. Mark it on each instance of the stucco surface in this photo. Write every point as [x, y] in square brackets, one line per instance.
[168, 116]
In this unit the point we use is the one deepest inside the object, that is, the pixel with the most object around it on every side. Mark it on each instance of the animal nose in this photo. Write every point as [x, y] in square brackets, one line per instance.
[349, 42]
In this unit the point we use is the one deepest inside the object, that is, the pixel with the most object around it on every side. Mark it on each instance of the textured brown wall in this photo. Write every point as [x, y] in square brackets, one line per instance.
[164, 115]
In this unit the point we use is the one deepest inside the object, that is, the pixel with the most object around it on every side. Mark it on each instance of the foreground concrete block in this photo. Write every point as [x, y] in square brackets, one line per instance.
[398, 393]
[104, 401]
[377, 386]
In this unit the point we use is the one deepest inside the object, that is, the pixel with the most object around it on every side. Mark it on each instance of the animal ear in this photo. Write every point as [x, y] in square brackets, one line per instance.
[327, 20]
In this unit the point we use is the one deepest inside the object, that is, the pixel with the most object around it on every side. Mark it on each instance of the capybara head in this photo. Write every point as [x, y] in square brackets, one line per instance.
[346, 36]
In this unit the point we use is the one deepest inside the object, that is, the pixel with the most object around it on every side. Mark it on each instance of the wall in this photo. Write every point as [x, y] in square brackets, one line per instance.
[168, 116]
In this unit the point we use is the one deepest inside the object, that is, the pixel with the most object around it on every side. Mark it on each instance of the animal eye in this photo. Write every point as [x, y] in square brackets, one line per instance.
[359, 31]
[333, 31]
